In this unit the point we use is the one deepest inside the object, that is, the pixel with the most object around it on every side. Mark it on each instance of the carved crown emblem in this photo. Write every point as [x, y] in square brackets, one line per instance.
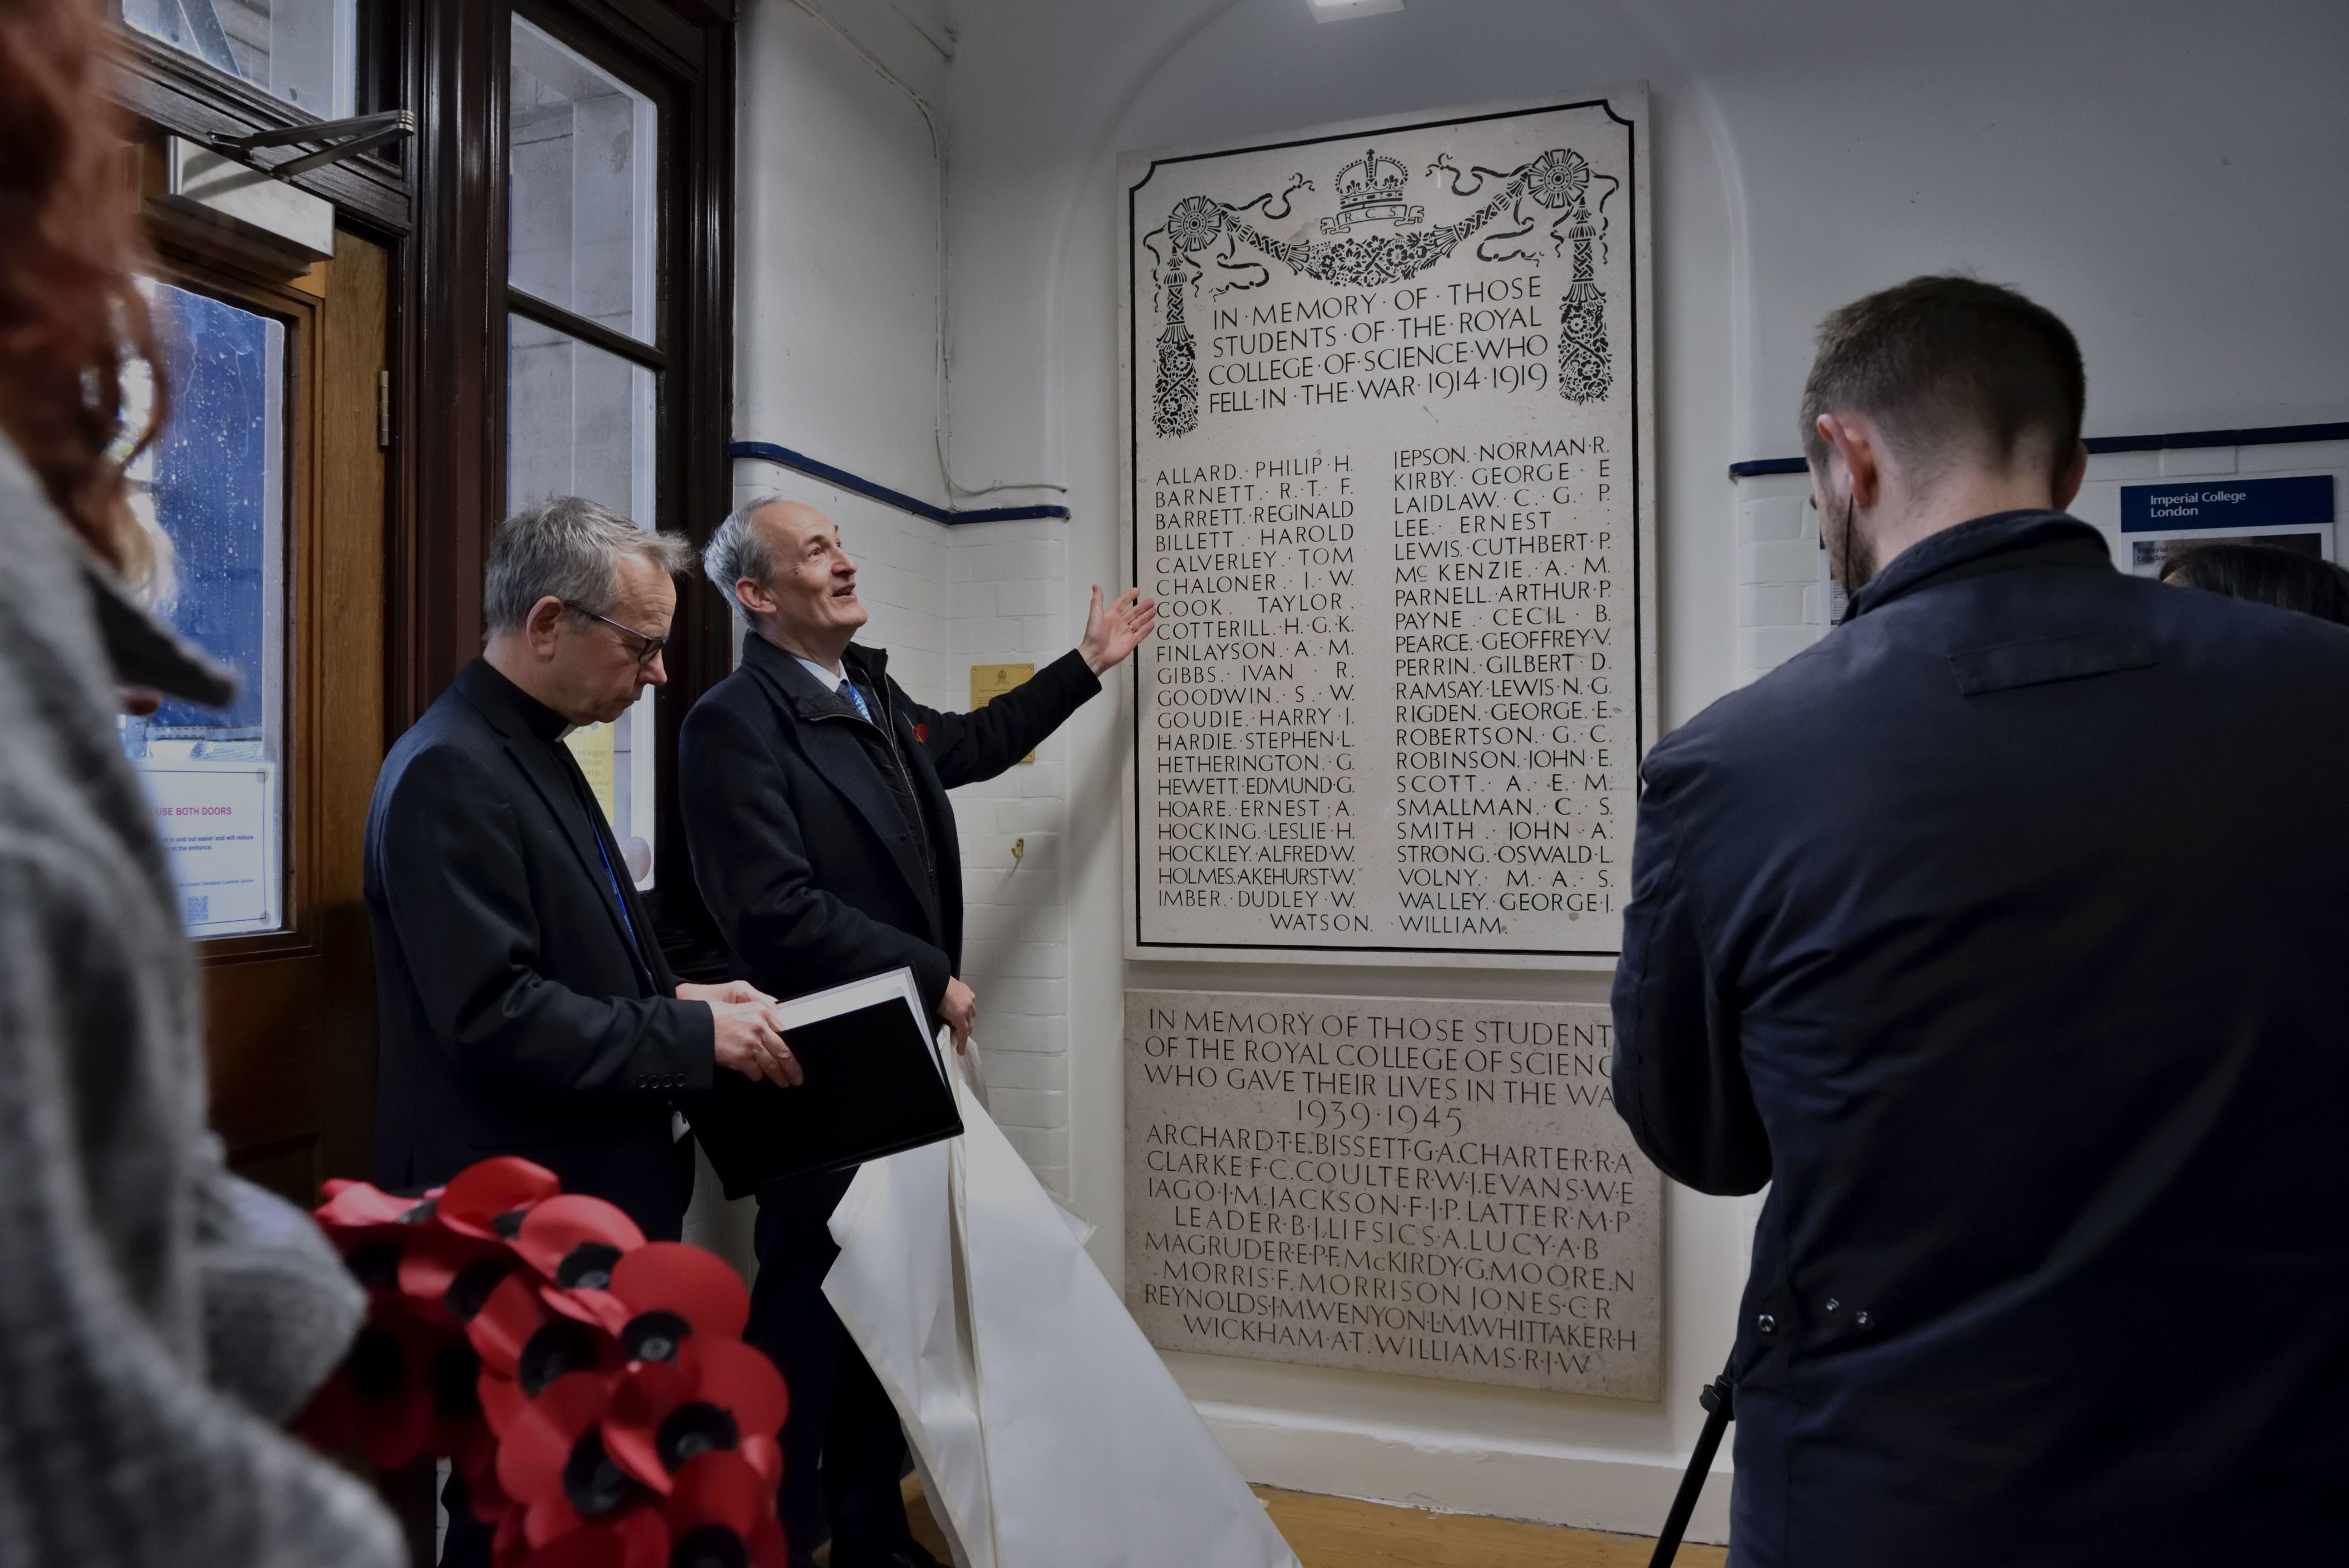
[1370, 190]
[1372, 179]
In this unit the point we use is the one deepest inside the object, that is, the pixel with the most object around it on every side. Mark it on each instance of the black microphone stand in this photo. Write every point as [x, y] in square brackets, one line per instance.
[1720, 1403]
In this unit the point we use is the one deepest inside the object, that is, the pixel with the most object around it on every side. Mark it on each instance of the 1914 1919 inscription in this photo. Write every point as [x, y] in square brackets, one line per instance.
[1439, 1189]
[1388, 476]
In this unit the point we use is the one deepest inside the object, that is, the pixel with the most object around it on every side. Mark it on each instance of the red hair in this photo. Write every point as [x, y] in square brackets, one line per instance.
[71, 316]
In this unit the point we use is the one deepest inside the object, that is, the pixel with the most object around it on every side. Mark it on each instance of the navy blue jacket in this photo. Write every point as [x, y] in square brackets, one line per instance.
[2005, 933]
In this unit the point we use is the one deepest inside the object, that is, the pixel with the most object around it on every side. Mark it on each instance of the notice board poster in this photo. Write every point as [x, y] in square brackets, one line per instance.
[1389, 475]
[218, 823]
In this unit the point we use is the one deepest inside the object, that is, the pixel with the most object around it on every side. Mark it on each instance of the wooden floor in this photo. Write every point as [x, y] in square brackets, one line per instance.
[1339, 1533]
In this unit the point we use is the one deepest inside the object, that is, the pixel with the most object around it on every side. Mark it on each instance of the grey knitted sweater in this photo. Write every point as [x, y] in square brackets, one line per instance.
[157, 1315]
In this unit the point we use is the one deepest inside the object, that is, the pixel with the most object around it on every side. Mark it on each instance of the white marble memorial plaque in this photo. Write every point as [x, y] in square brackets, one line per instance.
[1389, 478]
[1432, 1188]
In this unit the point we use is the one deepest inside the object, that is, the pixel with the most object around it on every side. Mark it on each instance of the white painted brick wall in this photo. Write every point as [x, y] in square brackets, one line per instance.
[1779, 609]
[1005, 584]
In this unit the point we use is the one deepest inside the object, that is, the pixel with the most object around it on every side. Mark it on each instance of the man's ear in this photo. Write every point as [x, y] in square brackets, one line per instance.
[753, 596]
[2074, 470]
[1853, 439]
[542, 625]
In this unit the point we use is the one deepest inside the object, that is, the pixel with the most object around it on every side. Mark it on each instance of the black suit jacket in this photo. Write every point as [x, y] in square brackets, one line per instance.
[2003, 933]
[800, 845]
[517, 1016]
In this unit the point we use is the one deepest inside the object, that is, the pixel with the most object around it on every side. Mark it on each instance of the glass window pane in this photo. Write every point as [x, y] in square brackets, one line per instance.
[304, 51]
[617, 759]
[579, 421]
[583, 226]
[214, 482]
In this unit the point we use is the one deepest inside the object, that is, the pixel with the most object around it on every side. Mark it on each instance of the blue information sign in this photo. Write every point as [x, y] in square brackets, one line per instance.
[2227, 504]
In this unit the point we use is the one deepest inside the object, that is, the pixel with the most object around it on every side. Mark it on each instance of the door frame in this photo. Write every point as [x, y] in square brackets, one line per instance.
[290, 1013]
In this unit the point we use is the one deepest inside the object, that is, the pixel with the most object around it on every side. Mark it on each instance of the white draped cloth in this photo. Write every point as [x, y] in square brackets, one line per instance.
[1047, 1431]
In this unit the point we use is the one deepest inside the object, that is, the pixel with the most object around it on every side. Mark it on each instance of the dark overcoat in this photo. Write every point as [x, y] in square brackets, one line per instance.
[797, 812]
[518, 1015]
[2005, 934]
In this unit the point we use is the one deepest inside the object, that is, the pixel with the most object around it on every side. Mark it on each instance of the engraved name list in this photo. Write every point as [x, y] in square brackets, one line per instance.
[1386, 405]
[1434, 1188]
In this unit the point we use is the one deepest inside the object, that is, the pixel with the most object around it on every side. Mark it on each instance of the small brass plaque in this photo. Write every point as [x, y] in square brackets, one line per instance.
[990, 681]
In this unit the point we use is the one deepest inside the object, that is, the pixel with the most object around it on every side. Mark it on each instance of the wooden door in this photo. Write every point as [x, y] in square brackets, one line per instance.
[278, 429]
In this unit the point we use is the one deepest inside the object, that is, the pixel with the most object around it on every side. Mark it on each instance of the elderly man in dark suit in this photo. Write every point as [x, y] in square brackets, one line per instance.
[815, 805]
[526, 1007]
[2001, 933]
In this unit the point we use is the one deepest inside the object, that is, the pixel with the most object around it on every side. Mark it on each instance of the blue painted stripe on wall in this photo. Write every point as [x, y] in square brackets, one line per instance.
[767, 451]
[2251, 436]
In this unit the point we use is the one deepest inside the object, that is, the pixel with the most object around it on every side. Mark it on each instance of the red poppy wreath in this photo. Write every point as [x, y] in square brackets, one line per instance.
[592, 1385]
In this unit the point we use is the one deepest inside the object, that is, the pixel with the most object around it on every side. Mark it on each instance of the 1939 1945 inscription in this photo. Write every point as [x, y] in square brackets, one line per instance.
[1434, 1188]
[1387, 475]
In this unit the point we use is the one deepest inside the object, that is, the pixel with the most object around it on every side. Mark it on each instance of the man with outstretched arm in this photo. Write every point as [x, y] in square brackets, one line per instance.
[816, 804]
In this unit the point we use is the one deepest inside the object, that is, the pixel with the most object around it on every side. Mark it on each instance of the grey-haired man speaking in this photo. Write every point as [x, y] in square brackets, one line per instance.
[815, 800]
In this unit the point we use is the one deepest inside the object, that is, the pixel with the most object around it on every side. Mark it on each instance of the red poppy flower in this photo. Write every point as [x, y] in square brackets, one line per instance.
[446, 1276]
[553, 1462]
[404, 1248]
[637, 1539]
[489, 1199]
[356, 1206]
[576, 1242]
[373, 1231]
[721, 1514]
[487, 1499]
[719, 1395]
[591, 1385]
[508, 1546]
[459, 1429]
[524, 1345]
[665, 1292]
[401, 1382]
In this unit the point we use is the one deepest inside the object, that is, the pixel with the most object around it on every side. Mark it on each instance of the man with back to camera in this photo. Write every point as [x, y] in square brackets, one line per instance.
[2000, 933]
[526, 1007]
[815, 806]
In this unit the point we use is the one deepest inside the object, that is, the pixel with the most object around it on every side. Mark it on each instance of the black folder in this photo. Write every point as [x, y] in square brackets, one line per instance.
[875, 1085]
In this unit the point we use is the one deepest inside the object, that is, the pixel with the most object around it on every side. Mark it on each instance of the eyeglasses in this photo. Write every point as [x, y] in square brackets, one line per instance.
[651, 646]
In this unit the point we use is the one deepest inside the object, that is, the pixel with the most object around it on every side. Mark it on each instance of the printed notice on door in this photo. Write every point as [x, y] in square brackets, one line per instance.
[1388, 476]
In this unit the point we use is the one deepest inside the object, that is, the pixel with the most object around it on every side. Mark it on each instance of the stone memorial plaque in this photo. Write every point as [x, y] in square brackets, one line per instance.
[1437, 1189]
[1388, 479]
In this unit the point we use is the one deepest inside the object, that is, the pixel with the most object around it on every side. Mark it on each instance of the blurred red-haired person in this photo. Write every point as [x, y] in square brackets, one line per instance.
[158, 1318]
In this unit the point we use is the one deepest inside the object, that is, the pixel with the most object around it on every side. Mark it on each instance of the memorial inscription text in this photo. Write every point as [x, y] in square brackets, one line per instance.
[1435, 1187]
[1386, 488]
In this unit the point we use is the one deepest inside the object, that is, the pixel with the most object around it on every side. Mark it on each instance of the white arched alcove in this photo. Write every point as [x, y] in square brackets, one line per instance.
[2156, 172]
[1041, 114]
